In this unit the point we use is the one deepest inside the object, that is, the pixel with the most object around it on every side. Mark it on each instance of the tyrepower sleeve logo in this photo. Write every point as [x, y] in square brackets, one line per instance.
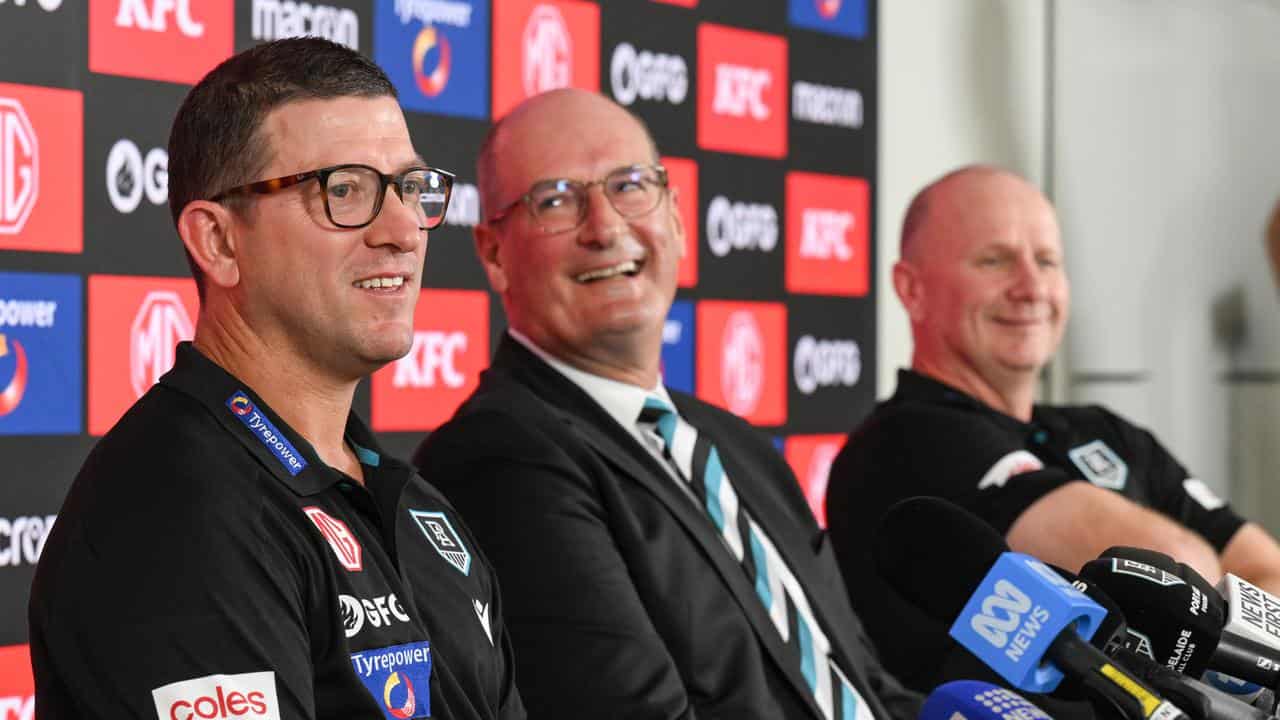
[742, 91]
[171, 40]
[17, 688]
[437, 54]
[827, 234]
[41, 169]
[135, 323]
[810, 458]
[41, 331]
[246, 696]
[541, 46]
[742, 359]
[421, 390]
[682, 177]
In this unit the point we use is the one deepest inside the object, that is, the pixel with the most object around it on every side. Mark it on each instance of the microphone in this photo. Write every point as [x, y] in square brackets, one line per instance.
[975, 700]
[1018, 616]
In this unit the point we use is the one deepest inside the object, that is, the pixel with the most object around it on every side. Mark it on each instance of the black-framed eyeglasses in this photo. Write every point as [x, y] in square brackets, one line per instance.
[353, 193]
[561, 205]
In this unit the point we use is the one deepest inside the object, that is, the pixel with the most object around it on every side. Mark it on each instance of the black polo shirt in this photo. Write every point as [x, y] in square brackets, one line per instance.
[207, 564]
[931, 439]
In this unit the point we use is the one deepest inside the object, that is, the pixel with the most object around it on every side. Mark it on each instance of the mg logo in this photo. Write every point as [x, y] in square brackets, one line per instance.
[160, 324]
[345, 546]
[548, 51]
[742, 363]
[19, 167]
[130, 176]
[431, 361]
[1001, 613]
[740, 91]
[154, 15]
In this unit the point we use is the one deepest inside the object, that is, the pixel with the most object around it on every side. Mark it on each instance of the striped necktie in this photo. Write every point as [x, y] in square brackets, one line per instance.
[775, 585]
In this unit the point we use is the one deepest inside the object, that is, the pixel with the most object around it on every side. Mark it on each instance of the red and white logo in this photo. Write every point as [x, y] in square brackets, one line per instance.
[828, 8]
[682, 177]
[421, 390]
[41, 146]
[828, 234]
[340, 538]
[170, 40]
[540, 46]
[246, 696]
[134, 325]
[681, 3]
[810, 458]
[742, 361]
[17, 688]
[742, 91]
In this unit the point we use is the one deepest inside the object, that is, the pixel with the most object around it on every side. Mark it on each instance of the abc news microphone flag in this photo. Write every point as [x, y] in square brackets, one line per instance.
[765, 114]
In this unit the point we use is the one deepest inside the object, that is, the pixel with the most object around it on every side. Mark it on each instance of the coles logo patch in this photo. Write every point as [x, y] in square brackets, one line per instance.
[742, 359]
[443, 538]
[436, 52]
[742, 91]
[175, 41]
[41, 169]
[677, 347]
[17, 688]
[682, 177]
[246, 696]
[266, 432]
[40, 354]
[421, 390]
[135, 324]
[541, 45]
[398, 678]
[810, 458]
[827, 234]
[837, 17]
[345, 546]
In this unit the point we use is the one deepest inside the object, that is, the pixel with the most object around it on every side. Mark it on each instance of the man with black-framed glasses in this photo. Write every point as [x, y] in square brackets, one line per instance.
[238, 546]
[657, 556]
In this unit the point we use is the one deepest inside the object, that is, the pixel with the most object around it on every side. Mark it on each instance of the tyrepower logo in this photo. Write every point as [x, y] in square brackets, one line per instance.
[682, 178]
[742, 91]
[825, 363]
[827, 234]
[277, 19]
[172, 40]
[742, 362]
[41, 331]
[132, 176]
[540, 46]
[450, 347]
[733, 225]
[837, 17]
[648, 76]
[436, 52]
[17, 688]
[134, 325]
[250, 696]
[41, 171]
[22, 540]
[810, 458]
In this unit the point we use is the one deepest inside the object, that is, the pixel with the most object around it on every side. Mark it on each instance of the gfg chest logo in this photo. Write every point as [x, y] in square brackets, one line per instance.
[130, 176]
[540, 46]
[742, 92]
[169, 40]
[740, 226]
[644, 75]
[1001, 613]
[19, 166]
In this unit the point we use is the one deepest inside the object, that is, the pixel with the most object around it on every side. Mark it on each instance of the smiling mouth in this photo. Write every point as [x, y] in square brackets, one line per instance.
[379, 283]
[626, 267]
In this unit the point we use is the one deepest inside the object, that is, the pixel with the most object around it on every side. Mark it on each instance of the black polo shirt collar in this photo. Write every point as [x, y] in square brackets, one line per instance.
[917, 387]
[279, 448]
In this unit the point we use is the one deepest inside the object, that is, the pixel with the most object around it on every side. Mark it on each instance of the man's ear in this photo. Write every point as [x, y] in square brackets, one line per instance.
[487, 250]
[208, 231]
[909, 286]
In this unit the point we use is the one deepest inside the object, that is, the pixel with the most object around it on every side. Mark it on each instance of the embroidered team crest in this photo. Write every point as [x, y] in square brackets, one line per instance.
[1100, 465]
[443, 538]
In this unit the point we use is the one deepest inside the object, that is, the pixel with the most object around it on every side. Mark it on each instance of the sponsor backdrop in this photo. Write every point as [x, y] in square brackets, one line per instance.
[764, 111]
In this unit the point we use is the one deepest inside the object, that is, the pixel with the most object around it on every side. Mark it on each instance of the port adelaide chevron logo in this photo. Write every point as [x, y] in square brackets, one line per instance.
[443, 538]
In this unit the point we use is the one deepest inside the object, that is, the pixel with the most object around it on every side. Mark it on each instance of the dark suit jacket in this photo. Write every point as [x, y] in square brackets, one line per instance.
[621, 599]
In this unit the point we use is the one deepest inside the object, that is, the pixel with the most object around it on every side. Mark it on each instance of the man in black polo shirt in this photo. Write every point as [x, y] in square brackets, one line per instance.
[982, 280]
[237, 546]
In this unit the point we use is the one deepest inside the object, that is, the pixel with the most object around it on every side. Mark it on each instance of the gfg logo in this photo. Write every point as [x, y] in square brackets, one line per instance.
[742, 363]
[161, 323]
[19, 167]
[378, 612]
[153, 16]
[22, 539]
[130, 176]
[277, 19]
[432, 361]
[740, 226]
[548, 51]
[1001, 613]
[464, 206]
[644, 75]
[826, 363]
[48, 6]
[740, 91]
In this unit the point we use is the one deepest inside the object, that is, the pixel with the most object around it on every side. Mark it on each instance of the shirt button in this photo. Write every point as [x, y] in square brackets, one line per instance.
[1040, 437]
[345, 486]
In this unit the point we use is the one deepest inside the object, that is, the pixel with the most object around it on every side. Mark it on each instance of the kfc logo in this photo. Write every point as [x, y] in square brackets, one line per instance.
[450, 348]
[246, 696]
[740, 226]
[17, 688]
[810, 458]
[682, 178]
[825, 363]
[828, 235]
[743, 94]
[644, 75]
[742, 359]
[41, 141]
[540, 46]
[170, 40]
[340, 538]
[276, 19]
[130, 176]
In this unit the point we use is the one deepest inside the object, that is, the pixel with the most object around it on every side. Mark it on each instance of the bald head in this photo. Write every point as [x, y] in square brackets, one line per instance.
[959, 183]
